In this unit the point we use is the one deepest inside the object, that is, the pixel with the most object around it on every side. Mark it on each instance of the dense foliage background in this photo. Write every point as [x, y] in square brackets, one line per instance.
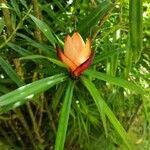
[43, 107]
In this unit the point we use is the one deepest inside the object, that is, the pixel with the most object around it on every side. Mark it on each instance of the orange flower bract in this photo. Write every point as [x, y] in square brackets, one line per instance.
[77, 54]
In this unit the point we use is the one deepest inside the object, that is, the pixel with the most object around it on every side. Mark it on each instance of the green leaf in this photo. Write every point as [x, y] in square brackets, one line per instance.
[136, 27]
[115, 80]
[52, 14]
[3, 89]
[10, 72]
[15, 7]
[64, 117]
[105, 110]
[19, 49]
[106, 55]
[55, 61]
[45, 29]
[24, 3]
[46, 49]
[3, 5]
[98, 103]
[27, 92]
[57, 97]
[92, 19]
[1, 24]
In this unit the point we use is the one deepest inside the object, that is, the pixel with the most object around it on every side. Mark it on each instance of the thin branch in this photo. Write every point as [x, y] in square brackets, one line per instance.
[15, 30]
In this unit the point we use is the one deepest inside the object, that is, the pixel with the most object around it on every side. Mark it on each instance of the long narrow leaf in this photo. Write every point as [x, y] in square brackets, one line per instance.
[46, 49]
[98, 103]
[64, 117]
[27, 92]
[10, 72]
[114, 80]
[55, 61]
[106, 110]
[96, 15]
[19, 49]
[45, 29]
[106, 55]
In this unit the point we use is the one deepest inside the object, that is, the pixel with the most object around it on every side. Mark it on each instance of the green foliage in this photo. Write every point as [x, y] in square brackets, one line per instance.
[24, 93]
[103, 108]
[43, 107]
[45, 29]
[90, 21]
[64, 117]
[136, 27]
[10, 72]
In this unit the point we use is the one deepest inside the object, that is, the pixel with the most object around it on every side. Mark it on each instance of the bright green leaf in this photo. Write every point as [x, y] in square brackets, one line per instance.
[47, 31]
[96, 98]
[115, 80]
[103, 108]
[27, 92]
[55, 61]
[64, 117]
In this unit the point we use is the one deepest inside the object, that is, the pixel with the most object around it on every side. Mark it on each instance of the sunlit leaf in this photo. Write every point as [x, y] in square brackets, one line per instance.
[27, 92]
[96, 97]
[55, 61]
[47, 31]
[103, 108]
[116, 81]
[64, 117]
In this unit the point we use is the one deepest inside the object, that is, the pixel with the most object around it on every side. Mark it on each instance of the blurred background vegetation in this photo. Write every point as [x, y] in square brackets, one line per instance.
[56, 110]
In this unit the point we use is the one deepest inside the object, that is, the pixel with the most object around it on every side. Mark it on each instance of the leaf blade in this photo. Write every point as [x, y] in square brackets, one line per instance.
[64, 117]
[91, 20]
[45, 29]
[55, 61]
[94, 93]
[101, 104]
[27, 92]
[10, 72]
[114, 80]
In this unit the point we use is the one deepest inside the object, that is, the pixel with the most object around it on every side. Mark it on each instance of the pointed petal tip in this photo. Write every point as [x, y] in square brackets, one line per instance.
[78, 38]
[66, 37]
[84, 53]
[66, 60]
[76, 33]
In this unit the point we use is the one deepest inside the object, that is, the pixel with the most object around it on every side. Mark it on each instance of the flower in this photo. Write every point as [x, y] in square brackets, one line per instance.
[77, 54]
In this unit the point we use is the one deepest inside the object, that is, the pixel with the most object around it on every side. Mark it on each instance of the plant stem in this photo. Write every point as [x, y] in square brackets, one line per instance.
[25, 125]
[7, 18]
[136, 28]
[37, 13]
[41, 110]
[38, 36]
[101, 22]
[15, 30]
[35, 126]
[132, 119]
[11, 124]
[5, 134]
[51, 121]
